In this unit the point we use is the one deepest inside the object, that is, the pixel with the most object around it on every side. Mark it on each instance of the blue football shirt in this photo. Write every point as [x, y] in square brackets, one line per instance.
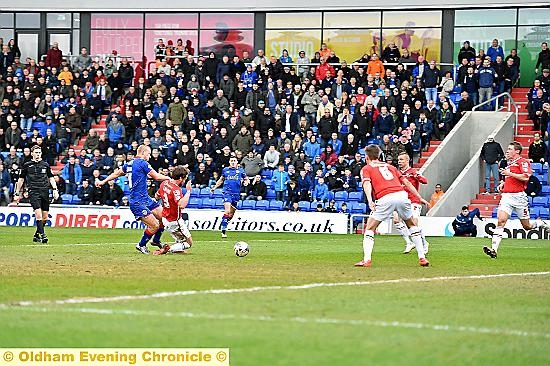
[137, 171]
[232, 179]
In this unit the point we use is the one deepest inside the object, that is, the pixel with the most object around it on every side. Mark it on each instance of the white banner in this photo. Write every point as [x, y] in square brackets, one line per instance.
[259, 221]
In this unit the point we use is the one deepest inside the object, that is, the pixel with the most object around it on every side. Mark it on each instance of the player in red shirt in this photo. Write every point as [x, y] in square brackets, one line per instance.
[173, 202]
[513, 197]
[416, 179]
[386, 183]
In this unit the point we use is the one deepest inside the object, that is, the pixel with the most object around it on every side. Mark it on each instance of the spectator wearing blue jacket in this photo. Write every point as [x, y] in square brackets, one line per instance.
[430, 79]
[305, 184]
[495, 50]
[487, 77]
[320, 192]
[463, 224]
[5, 181]
[312, 148]
[425, 126]
[249, 77]
[280, 180]
[115, 131]
[224, 67]
[158, 107]
[384, 124]
[72, 175]
[336, 143]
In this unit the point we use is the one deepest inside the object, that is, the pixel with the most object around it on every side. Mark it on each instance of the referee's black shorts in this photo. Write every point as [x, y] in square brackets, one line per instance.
[40, 200]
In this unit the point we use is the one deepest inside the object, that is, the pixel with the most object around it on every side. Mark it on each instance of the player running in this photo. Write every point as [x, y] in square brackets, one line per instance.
[386, 183]
[173, 202]
[144, 208]
[403, 161]
[513, 197]
[38, 176]
[232, 177]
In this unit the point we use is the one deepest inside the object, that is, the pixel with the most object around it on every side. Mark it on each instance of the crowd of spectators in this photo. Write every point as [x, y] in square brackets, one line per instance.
[305, 125]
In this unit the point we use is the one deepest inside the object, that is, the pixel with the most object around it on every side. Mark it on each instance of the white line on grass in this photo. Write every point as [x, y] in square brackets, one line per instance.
[265, 288]
[352, 322]
[131, 243]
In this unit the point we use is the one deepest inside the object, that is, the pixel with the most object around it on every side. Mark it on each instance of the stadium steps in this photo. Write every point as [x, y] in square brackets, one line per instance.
[487, 202]
[424, 155]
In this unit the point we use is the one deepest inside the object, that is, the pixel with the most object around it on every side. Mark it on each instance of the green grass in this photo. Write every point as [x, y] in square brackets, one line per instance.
[462, 321]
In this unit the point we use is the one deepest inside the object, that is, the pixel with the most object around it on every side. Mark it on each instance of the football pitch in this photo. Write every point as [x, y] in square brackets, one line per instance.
[296, 299]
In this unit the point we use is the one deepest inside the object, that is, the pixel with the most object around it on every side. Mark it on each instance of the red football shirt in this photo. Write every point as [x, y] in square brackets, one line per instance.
[416, 179]
[171, 194]
[518, 166]
[384, 178]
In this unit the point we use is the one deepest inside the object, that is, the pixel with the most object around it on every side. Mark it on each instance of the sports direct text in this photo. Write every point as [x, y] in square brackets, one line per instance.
[114, 356]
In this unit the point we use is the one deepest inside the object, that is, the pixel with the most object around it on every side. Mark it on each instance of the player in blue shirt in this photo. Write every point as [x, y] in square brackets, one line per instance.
[142, 206]
[464, 225]
[232, 177]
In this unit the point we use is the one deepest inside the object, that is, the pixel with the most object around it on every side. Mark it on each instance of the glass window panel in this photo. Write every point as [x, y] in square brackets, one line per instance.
[529, 40]
[28, 44]
[223, 20]
[125, 42]
[293, 20]
[534, 16]
[58, 20]
[167, 35]
[292, 40]
[408, 19]
[117, 21]
[481, 38]
[352, 20]
[351, 44]
[76, 20]
[419, 41]
[485, 17]
[6, 20]
[63, 40]
[6, 34]
[227, 42]
[76, 41]
[171, 21]
[27, 20]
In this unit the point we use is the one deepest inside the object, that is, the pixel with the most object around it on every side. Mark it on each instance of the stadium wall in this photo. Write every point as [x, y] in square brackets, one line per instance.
[447, 163]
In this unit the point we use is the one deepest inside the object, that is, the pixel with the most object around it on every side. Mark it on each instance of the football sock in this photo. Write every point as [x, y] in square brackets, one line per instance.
[416, 238]
[368, 244]
[158, 234]
[402, 229]
[497, 237]
[39, 226]
[145, 238]
[179, 247]
[225, 221]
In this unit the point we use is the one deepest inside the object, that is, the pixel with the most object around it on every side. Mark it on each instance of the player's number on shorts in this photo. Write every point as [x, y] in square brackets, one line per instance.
[385, 172]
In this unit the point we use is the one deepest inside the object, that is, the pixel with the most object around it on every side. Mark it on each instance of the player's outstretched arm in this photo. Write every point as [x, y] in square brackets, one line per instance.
[218, 184]
[158, 176]
[114, 175]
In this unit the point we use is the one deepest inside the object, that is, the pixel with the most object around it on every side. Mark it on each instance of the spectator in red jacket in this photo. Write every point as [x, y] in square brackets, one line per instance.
[321, 70]
[54, 56]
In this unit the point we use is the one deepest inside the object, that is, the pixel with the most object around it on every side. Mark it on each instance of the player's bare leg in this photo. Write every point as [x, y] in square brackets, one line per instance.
[152, 227]
[416, 238]
[157, 212]
[368, 243]
[404, 231]
[229, 211]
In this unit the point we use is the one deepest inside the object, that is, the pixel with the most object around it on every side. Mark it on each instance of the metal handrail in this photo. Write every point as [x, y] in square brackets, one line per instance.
[510, 102]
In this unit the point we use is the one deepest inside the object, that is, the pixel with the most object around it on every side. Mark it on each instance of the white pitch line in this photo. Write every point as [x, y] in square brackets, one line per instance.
[264, 288]
[302, 320]
[131, 243]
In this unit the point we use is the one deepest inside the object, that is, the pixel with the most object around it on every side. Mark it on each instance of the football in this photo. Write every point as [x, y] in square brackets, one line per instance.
[241, 249]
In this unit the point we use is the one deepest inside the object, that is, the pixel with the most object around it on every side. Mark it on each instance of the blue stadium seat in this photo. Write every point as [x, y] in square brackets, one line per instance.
[313, 206]
[540, 201]
[249, 205]
[546, 190]
[304, 205]
[330, 195]
[355, 196]
[544, 213]
[537, 167]
[268, 183]
[218, 202]
[194, 202]
[530, 199]
[534, 212]
[205, 192]
[67, 199]
[543, 178]
[76, 200]
[276, 205]
[262, 205]
[359, 208]
[195, 192]
[494, 214]
[271, 194]
[545, 168]
[266, 173]
[341, 196]
[218, 193]
[208, 202]
[239, 205]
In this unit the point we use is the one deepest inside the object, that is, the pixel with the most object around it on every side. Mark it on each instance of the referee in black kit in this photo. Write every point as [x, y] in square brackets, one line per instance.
[38, 176]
